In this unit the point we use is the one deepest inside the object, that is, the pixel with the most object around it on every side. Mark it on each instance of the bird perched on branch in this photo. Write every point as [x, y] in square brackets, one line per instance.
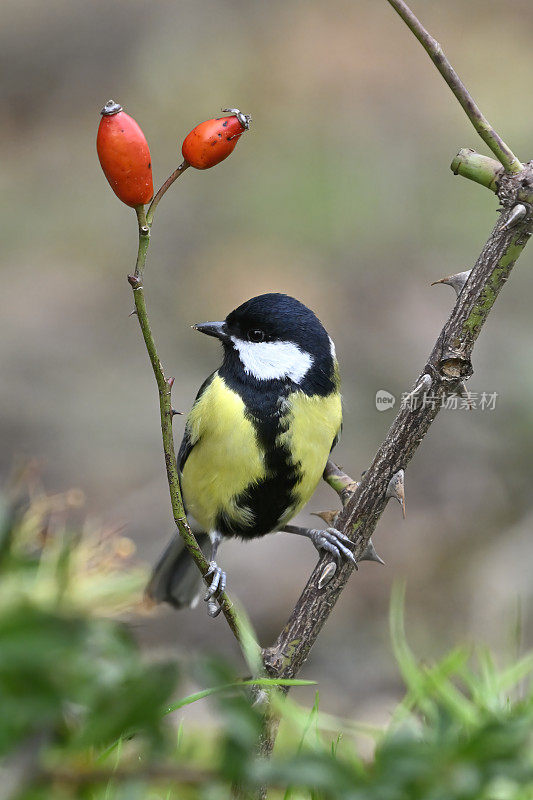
[256, 441]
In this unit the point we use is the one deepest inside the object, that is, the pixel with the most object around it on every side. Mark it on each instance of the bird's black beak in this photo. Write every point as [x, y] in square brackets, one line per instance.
[217, 329]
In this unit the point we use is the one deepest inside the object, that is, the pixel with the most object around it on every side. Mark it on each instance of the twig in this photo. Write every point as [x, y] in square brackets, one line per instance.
[167, 184]
[144, 243]
[478, 168]
[164, 386]
[339, 481]
[503, 153]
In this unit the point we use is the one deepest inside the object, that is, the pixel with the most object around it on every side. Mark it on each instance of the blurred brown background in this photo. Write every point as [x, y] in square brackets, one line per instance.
[341, 195]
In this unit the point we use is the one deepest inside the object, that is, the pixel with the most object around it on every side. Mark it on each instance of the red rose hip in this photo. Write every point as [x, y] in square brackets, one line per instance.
[212, 141]
[124, 156]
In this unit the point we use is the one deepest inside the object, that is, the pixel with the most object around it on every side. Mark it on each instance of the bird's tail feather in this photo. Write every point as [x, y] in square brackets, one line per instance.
[175, 578]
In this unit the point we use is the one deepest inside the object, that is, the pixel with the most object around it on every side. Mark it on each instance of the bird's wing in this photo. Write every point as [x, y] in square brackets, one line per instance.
[187, 442]
[337, 437]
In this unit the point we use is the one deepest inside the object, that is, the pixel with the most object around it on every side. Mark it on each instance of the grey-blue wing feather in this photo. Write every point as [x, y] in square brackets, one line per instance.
[336, 439]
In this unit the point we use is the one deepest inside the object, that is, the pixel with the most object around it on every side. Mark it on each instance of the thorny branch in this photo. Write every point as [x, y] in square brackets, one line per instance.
[448, 366]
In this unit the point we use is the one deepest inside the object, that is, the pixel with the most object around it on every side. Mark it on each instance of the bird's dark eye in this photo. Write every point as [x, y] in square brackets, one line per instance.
[256, 335]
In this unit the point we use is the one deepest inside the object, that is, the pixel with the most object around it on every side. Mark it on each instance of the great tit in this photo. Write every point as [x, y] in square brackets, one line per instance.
[256, 440]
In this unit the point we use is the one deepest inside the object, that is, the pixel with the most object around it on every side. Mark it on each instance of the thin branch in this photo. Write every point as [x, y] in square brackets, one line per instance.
[144, 243]
[339, 481]
[164, 386]
[167, 184]
[503, 153]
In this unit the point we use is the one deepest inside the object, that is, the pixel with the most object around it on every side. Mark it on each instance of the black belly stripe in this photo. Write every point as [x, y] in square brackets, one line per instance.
[269, 499]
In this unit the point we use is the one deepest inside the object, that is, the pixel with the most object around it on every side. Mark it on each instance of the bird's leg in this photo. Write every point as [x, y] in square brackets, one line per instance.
[345, 487]
[329, 539]
[218, 581]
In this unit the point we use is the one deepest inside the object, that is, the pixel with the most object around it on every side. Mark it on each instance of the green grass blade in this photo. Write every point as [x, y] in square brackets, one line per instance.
[192, 698]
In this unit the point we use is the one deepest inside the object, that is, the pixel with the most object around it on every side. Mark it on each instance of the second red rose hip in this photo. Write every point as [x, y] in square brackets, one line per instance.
[212, 141]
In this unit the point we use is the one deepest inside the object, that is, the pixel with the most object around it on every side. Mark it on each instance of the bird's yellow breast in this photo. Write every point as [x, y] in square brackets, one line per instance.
[225, 458]
[314, 423]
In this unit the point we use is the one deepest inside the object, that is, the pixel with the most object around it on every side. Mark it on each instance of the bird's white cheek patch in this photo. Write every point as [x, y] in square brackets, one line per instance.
[273, 360]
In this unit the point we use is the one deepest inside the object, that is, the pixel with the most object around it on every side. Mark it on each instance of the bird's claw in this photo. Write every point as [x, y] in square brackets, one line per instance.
[213, 608]
[334, 542]
[218, 582]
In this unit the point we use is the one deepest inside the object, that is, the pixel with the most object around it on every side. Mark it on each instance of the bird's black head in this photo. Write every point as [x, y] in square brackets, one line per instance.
[275, 337]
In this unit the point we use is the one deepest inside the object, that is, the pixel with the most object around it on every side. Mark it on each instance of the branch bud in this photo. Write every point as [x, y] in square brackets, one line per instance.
[478, 168]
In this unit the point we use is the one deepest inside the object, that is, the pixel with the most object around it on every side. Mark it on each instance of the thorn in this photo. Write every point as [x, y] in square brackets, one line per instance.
[423, 385]
[144, 230]
[518, 212]
[327, 574]
[261, 697]
[170, 382]
[462, 391]
[134, 282]
[396, 489]
[456, 281]
[329, 517]
[132, 313]
[175, 413]
[369, 554]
